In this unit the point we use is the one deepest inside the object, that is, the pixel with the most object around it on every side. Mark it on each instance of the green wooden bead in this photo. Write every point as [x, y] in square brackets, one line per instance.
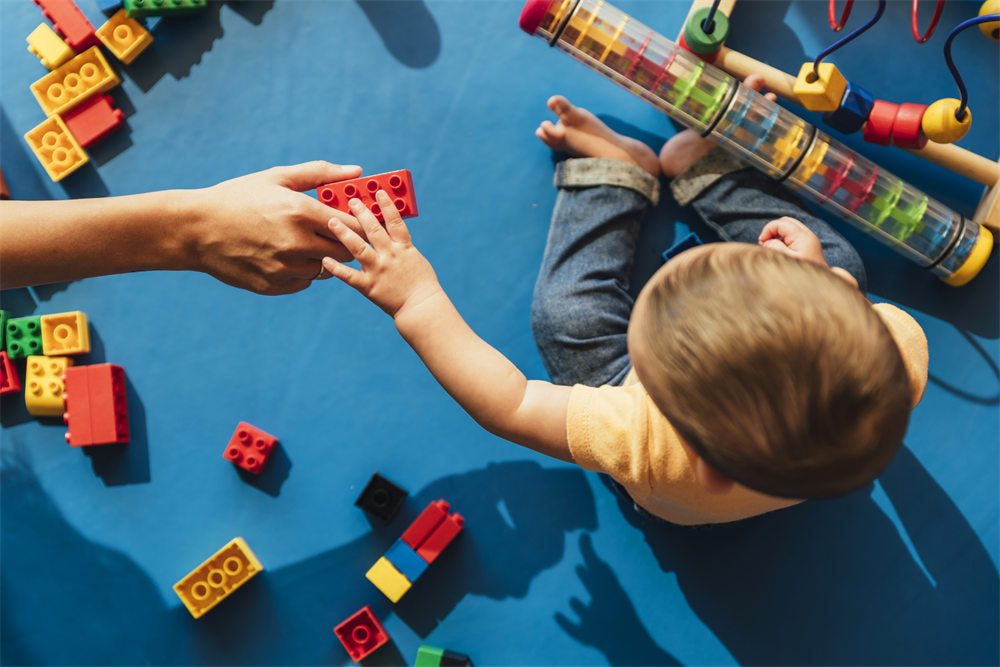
[705, 42]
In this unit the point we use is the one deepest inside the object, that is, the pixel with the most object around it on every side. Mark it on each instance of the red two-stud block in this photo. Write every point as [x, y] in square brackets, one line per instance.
[10, 381]
[69, 22]
[433, 530]
[397, 184]
[93, 120]
[249, 448]
[361, 634]
[96, 411]
[442, 536]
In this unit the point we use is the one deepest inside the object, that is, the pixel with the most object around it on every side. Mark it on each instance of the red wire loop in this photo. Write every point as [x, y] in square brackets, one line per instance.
[915, 21]
[836, 25]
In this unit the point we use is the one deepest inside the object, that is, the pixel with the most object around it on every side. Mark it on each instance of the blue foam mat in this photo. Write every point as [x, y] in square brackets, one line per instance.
[902, 572]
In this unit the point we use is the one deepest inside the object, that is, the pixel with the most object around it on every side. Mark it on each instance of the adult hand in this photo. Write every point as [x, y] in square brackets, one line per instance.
[260, 232]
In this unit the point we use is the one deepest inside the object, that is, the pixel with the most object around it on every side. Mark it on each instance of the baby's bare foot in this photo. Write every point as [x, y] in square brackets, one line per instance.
[685, 148]
[582, 134]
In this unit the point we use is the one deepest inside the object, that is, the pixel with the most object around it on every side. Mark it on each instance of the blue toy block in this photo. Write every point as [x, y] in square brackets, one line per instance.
[853, 110]
[406, 560]
[109, 6]
[686, 243]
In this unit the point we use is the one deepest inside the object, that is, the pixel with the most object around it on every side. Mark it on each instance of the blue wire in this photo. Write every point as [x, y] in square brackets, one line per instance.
[960, 111]
[844, 40]
[708, 25]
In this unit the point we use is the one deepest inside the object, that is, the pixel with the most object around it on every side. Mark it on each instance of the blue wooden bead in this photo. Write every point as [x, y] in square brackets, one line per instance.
[853, 110]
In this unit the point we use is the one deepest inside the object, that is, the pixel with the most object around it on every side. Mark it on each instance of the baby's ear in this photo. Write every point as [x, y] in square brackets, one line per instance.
[710, 480]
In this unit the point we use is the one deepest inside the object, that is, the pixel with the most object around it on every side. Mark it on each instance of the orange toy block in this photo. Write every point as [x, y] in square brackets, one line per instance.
[214, 580]
[124, 37]
[56, 148]
[74, 81]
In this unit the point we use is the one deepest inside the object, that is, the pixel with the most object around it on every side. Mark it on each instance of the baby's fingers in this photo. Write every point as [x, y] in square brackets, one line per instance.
[394, 224]
[345, 274]
[355, 245]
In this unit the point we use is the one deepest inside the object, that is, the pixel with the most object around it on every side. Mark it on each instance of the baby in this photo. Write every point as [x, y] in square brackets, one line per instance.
[744, 378]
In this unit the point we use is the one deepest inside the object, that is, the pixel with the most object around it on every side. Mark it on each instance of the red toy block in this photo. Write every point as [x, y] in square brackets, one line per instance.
[93, 120]
[906, 127]
[878, 129]
[441, 537]
[96, 409]
[361, 634]
[69, 22]
[397, 184]
[10, 381]
[249, 448]
[424, 525]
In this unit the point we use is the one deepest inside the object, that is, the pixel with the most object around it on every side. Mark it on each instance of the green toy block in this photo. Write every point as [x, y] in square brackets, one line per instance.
[428, 656]
[140, 8]
[3, 326]
[24, 336]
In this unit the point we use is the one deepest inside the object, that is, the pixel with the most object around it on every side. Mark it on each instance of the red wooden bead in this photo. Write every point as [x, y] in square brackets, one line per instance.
[906, 131]
[878, 129]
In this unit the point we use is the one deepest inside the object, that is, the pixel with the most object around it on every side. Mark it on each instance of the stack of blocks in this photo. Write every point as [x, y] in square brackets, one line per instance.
[78, 114]
[419, 546]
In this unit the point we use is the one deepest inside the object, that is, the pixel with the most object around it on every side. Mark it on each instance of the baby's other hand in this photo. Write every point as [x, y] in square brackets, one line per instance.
[791, 237]
[394, 275]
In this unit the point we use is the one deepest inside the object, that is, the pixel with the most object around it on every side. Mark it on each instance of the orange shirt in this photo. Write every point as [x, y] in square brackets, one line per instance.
[618, 430]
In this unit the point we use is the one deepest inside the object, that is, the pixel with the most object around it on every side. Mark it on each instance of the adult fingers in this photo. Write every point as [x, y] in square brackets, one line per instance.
[308, 175]
[317, 214]
[373, 229]
[394, 224]
[356, 245]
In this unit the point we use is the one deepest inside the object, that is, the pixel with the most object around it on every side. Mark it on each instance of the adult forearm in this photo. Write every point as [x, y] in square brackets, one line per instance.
[53, 241]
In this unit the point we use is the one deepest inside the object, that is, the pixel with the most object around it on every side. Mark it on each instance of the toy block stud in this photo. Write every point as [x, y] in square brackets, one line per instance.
[442, 536]
[878, 129]
[388, 579]
[65, 333]
[853, 111]
[48, 46]
[140, 8]
[405, 560]
[381, 498]
[214, 580]
[43, 385]
[250, 447]
[823, 92]
[69, 22]
[10, 382]
[93, 120]
[990, 29]
[397, 184]
[24, 336]
[906, 128]
[424, 525]
[96, 407]
[124, 37]
[56, 148]
[361, 634]
[940, 124]
[74, 81]
[703, 38]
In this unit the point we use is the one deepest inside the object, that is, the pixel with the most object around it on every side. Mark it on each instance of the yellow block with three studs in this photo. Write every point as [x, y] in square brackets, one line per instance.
[823, 92]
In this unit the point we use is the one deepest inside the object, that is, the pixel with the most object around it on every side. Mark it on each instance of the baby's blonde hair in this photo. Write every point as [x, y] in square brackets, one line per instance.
[777, 373]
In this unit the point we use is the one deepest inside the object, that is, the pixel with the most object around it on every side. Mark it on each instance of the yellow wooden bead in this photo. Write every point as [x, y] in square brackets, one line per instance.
[991, 28]
[823, 92]
[939, 122]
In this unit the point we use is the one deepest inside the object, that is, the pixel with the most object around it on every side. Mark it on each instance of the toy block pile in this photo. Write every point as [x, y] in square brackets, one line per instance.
[78, 114]
[90, 398]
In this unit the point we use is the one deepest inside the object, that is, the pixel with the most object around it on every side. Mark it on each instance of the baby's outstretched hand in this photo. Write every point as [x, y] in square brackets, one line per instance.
[790, 236]
[394, 275]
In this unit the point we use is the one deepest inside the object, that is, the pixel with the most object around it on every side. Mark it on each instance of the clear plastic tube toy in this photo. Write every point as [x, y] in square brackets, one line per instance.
[763, 134]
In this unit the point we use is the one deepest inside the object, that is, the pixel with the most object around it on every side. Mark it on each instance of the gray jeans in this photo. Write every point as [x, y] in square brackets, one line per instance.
[581, 304]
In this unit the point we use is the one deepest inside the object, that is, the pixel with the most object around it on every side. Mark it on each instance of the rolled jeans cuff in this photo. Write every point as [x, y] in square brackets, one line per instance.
[694, 180]
[591, 171]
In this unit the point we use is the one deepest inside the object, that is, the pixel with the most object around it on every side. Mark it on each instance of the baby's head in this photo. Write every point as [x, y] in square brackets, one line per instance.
[777, 373]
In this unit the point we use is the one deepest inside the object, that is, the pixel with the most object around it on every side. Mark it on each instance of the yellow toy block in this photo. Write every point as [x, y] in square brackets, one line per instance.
[48, 46]
[65, 333]
[124, 37]
[823, 92]
[56, 148]
[229, 568]
[44, 387]
[388, 579]
[74, 81]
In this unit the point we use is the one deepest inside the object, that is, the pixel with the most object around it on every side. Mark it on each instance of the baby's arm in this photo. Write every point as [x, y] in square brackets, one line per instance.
[399, 280]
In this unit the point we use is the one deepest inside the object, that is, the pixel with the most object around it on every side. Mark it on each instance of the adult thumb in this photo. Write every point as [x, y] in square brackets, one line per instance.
[308, 175]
